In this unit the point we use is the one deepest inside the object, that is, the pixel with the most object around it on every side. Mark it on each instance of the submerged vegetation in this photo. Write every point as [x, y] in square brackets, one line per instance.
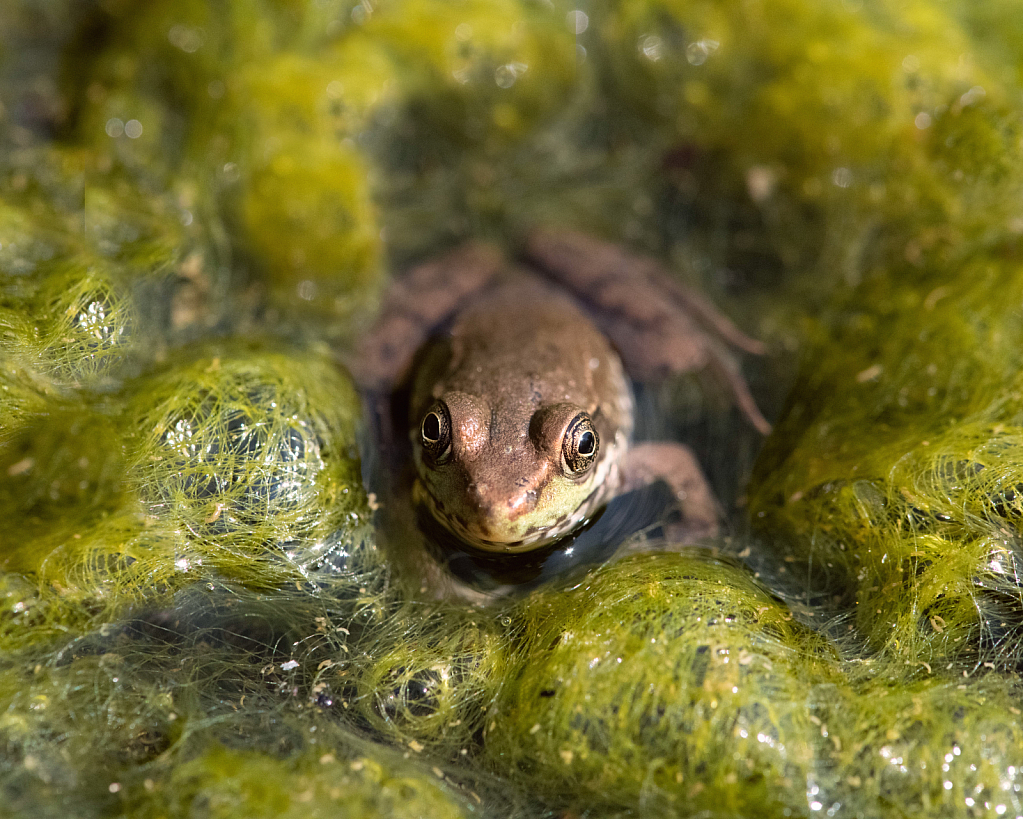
[198, 206]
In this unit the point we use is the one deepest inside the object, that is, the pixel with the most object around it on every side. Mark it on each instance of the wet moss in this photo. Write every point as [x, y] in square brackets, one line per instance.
[491, 71]
[242, 471]
[913, 522]
[63, 726]
[145, 720]
[807, 147]
[226, 783]
[100, 273]
[194, 617]
[932, 748]
[268, 102]
[224, 97]
[426, 680]
[664, 684]
[891, 470]
[247, 451]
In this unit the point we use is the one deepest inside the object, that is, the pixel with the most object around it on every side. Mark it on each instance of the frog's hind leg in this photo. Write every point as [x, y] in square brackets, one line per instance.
[417, 304]
[659, 326]
[675, 465]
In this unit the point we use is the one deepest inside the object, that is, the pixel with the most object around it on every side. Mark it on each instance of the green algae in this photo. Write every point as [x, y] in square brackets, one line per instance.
[932, 748]
[664, 684]
[913, 522]
[246, 451]
[429, 679]
[267, 103]
[224, 783]
[100, 273]
[161, 719]
[244, 471]
[191, 586]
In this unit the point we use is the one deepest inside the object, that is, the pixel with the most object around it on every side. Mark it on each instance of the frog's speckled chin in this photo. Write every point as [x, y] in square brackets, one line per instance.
[533, 539]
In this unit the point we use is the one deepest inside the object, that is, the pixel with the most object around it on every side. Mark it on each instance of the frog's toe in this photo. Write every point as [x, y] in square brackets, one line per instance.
[724, 367]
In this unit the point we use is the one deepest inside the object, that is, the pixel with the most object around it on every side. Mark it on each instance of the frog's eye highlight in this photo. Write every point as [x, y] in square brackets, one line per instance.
[435, 433]
[580, 445]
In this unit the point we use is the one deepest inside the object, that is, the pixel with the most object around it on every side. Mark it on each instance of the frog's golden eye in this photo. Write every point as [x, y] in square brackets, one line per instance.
[435, 433]
[580, 445]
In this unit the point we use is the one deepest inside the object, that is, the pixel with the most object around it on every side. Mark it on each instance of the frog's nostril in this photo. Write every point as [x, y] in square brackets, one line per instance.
[477, 496]
[522, 503]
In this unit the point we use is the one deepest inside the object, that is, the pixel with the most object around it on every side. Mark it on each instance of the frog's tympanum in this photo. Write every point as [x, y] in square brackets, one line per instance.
[510, 381]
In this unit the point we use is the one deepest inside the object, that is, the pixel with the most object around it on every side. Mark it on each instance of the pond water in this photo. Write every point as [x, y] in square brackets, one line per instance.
[200, 207]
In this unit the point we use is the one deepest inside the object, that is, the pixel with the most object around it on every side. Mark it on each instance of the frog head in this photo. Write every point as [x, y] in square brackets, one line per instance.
[510, 475]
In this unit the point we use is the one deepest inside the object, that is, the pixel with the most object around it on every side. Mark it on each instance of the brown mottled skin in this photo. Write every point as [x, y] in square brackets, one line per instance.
[516, 367]
[508, 360]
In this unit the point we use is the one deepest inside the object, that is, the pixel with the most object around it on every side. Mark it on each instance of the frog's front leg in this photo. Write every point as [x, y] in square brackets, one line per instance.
[676, 465]
[660, 327]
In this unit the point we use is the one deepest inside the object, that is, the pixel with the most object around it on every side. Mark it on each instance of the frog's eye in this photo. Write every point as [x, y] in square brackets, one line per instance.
[580, 445]
[435, 433]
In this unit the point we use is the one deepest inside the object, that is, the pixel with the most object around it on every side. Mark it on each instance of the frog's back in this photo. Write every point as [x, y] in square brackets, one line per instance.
[527, 342]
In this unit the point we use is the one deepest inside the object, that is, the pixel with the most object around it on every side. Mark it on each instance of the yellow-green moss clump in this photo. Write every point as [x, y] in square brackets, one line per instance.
[666, 684]
[428, 678]
[272, 103]
[100, 272]
[163, 718]
[225, 783]
[246, 450]
[673, 685]
[809, 146]
[239, 468]
[895, 470]
[931, 748]
[895, 474]
[221, 95]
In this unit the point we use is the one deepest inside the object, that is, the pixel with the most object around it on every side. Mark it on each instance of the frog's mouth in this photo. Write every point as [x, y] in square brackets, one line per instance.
[534, 538]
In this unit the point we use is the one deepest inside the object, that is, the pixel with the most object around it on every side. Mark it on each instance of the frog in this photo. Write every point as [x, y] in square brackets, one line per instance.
[501, 388]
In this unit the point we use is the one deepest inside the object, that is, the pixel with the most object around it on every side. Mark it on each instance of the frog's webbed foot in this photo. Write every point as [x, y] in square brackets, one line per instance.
[415, 305]
[676, 465]
[659, 326]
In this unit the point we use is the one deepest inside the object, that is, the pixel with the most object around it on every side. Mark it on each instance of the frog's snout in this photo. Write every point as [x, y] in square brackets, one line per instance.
[521, 503]
[498, 512]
